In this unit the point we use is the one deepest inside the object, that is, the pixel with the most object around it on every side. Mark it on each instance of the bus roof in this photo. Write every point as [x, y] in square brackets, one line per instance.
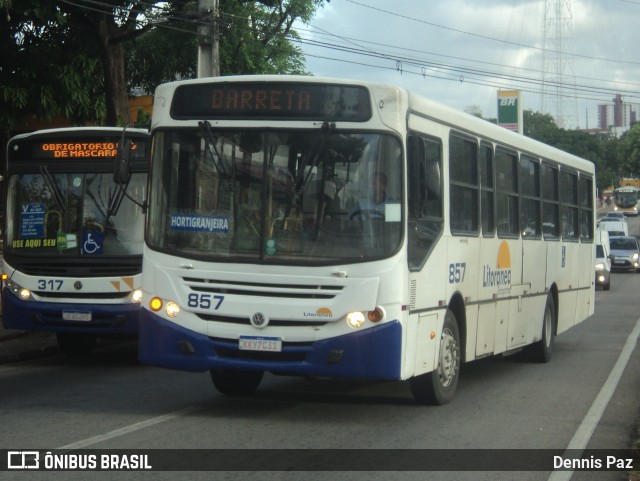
[80, 130]
[417, 103]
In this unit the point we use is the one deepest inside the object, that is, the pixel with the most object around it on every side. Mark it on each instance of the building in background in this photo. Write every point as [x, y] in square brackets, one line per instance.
[618, 116]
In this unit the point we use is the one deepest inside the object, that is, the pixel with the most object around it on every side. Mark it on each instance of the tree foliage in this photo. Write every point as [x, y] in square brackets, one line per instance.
[254, 38]
[629, 150]
[46, 68]
[80, 58]
[62, 58]
[604, 150]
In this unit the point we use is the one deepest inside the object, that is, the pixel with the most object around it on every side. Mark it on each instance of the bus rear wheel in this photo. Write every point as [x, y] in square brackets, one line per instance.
[541, 351]
[234, 382]
[438, 387]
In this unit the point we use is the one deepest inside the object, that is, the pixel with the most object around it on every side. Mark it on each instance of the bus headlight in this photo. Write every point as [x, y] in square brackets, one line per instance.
[634, 257]
[17, 290]
[136, 296]
[600, 266]
[355, 319]
[172, 309]
[24, 294]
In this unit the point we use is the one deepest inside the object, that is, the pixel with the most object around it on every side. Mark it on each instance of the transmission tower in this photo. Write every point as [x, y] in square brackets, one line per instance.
[558, 76]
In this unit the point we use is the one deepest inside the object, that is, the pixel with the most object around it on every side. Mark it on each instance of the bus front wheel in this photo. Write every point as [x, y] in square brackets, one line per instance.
[234, 382]
[439, 386]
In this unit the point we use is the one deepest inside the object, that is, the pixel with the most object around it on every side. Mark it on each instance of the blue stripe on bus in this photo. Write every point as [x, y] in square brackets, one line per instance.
[373, 353]
[47, 316]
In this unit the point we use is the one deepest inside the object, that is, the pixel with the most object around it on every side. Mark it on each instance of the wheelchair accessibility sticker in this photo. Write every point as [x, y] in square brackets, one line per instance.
[92, 242]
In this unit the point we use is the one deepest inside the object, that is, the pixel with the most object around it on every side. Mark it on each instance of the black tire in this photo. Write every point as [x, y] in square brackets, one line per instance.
[542, 350]
[438, 387]
[74, 344]
[607, 286]
[236, 383]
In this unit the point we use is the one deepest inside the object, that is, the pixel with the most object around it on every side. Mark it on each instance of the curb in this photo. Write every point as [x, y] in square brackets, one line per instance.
[28, 355]
[26, 345]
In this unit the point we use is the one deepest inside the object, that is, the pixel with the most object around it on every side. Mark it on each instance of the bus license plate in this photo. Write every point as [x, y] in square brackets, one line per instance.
[76, 316]
[250, 343]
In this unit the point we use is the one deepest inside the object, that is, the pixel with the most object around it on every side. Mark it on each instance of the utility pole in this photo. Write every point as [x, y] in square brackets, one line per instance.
[208, 39]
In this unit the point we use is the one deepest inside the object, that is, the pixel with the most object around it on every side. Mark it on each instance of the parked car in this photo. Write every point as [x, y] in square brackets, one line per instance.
[625, 253]
[603, 260]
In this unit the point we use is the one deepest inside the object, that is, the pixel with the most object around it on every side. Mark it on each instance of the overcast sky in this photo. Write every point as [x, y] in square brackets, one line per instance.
[461, 52]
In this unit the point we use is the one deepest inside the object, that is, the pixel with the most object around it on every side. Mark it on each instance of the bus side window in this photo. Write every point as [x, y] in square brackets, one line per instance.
[425, 199]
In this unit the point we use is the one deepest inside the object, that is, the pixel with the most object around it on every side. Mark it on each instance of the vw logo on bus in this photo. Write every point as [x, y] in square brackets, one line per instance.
[259, 320]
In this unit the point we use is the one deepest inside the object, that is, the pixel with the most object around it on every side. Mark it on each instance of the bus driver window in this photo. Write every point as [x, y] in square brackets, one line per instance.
[425, 203]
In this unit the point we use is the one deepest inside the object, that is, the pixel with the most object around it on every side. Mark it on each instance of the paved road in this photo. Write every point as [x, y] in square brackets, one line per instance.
[111, 402]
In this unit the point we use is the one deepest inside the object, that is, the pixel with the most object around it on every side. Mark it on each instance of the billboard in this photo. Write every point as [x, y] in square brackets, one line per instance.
[510, 110]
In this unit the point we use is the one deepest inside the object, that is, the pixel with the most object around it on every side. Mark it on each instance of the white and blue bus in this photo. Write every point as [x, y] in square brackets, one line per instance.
[271, 245]
[73, 237]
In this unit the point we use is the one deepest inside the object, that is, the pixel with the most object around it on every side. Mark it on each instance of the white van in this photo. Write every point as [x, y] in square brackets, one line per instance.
[614, 227]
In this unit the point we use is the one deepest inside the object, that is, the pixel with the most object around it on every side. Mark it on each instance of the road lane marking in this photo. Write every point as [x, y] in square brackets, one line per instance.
[128, 429]
[590, 421]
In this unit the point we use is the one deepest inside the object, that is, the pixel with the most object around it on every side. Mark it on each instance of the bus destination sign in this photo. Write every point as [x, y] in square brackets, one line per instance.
[70, 150]
[64, 148]
[271, 100]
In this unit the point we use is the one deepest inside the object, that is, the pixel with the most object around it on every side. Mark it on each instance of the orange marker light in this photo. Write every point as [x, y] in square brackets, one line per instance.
[155, 304]
[376, 315]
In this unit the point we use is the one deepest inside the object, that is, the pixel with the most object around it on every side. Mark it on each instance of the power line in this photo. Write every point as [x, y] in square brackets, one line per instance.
[486, 37]
[456, 70]
[493, 64]
[402, 62]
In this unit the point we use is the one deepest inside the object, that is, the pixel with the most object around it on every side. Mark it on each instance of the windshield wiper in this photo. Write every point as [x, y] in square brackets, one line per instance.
[55, 189]
[210, 147]
[311, 160]
[114, 201]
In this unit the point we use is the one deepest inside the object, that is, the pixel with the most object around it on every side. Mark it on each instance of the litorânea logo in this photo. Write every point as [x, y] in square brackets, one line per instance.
[501, 275]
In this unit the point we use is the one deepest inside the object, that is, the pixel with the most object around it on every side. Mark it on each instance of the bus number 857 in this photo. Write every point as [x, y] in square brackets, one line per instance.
[204, 301]
[456, 272]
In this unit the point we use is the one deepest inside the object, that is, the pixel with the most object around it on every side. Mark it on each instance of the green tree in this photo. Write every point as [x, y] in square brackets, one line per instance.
[66, 58]
[79, 58]
[254, 39]
[604, 150]
[541, 127]
[629, 151]
[45, 67]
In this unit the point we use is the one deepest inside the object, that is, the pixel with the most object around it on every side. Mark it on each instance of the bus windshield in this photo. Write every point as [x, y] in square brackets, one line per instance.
[626, 198]
[74, 214]
[277, 196]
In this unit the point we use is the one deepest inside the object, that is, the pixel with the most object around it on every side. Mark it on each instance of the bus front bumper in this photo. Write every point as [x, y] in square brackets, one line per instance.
[105, 319]
[373, 353]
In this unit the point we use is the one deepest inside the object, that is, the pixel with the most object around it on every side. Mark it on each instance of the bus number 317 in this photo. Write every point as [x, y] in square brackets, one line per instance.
[204, 301]
[456, 272]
